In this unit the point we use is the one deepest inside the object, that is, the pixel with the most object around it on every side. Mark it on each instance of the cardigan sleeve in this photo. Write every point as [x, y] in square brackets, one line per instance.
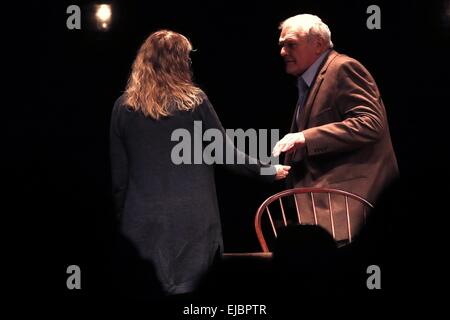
[232, 158]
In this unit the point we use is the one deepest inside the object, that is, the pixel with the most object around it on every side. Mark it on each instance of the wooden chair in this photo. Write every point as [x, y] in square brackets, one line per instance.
[341, 213]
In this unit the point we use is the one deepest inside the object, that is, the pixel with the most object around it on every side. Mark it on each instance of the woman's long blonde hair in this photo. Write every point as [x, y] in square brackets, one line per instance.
[161, 76]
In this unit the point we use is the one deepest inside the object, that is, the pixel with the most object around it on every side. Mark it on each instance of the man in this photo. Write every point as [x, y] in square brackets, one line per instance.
[339, 134]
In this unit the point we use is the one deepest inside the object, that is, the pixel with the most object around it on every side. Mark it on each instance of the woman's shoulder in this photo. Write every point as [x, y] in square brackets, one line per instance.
[206, 113]
[205, 105]
[121, 105]
[120, 102]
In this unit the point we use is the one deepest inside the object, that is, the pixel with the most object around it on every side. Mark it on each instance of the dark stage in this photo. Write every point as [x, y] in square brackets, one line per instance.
[61, 179]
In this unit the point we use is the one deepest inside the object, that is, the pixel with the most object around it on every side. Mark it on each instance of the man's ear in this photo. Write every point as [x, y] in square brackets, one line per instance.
[319, 45]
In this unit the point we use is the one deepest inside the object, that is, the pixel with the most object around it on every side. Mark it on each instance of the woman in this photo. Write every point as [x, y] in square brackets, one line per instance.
[168, 212]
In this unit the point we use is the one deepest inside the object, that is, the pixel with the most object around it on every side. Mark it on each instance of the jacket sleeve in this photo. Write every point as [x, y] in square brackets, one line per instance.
[119, 161]
[359, 104]
[232, 158]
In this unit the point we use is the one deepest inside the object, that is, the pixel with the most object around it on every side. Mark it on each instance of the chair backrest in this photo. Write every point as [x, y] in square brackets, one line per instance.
[339, 212]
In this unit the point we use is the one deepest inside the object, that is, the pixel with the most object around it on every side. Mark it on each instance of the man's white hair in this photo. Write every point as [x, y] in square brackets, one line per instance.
[311, 25]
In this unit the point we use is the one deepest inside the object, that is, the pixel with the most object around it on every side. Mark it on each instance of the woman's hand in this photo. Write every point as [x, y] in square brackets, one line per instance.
[282, 171]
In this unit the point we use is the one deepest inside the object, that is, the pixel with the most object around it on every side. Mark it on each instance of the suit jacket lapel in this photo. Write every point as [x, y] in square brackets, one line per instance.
[304, 117]
[309, 102]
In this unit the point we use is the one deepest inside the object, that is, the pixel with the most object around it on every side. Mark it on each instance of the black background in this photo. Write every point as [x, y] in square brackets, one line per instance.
[58, 128]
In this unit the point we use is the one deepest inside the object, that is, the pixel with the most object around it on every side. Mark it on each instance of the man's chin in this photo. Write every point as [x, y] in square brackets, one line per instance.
[291, 71]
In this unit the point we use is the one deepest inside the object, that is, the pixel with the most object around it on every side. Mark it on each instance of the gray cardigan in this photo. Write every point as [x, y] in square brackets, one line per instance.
[168, 212]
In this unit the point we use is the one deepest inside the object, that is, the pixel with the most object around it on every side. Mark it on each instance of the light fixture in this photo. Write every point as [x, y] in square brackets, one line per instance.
[103, 15]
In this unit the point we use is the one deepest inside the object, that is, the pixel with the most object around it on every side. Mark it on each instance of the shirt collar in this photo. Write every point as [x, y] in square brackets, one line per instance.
[309, 75]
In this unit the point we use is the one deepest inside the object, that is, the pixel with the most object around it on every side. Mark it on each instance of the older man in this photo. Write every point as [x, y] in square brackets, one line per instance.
[339, 134]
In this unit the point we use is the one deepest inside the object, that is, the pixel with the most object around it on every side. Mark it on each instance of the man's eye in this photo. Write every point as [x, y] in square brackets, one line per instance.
[291, 45]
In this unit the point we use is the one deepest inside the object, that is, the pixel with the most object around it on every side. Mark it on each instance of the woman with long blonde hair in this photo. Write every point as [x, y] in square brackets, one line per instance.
[167, 211]
[161, 78]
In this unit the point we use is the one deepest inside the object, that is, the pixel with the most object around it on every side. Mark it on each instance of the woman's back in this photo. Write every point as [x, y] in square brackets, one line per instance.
[169, 211]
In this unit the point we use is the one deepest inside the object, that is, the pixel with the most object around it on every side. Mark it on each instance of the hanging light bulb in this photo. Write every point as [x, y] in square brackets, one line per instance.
[103, 15]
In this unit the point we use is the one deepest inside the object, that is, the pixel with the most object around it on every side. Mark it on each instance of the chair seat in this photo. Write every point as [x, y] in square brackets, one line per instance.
[262, 255]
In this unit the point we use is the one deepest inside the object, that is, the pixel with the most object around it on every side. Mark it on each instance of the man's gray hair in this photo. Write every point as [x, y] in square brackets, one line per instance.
[311, 25]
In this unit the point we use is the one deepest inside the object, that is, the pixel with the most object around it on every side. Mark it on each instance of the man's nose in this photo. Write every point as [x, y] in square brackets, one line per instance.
[283, 52]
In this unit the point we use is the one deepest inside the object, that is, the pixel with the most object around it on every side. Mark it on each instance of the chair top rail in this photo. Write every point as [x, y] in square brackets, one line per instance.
[289, 192]
[281, 194]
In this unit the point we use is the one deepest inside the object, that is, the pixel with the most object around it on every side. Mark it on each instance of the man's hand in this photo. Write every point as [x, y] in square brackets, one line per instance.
[282, 171]
[290, 142]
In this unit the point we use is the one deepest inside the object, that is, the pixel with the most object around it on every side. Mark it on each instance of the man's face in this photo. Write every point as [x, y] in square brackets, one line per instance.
[297, 50]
